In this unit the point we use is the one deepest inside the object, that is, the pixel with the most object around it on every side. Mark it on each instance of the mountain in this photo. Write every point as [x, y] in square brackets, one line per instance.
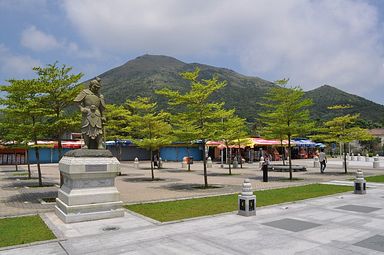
[326, 95]
[147, 73]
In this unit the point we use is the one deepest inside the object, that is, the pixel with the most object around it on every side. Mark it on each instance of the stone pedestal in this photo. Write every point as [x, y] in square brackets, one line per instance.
[360, 183]
[209, 162]
[376, 162]
[235, 163]
[89, 191]
[246, 200]
[316, 162]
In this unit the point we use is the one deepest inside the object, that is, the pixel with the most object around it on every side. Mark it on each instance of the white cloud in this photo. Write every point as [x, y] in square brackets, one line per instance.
[16, 66]
[312, 42]
[37, 40]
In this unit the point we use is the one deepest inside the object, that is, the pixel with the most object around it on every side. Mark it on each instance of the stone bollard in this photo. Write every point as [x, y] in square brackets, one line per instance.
[347, 156]
[261, 161]
[367, 158]
[136, 163]
[359, 158]
[316, 162]
[185, 162]
[235, 163]
[376, 162]
[360, 183]
[353, 157]
[209, 162]
[246, 200]
[160, 162]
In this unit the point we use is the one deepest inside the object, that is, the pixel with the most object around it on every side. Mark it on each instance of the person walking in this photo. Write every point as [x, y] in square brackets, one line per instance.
[323, 161]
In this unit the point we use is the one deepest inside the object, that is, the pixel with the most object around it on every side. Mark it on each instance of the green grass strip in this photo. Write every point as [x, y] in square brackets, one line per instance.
[183, 209]
[377, 178]
[22, 230]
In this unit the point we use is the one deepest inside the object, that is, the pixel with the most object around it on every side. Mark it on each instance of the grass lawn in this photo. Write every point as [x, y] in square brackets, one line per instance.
[21, 230]
[377, 178]
[182, 209]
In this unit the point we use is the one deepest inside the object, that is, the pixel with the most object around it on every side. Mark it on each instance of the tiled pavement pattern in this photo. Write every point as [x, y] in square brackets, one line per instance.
[340, 224]
[314, 226]
[17, 196]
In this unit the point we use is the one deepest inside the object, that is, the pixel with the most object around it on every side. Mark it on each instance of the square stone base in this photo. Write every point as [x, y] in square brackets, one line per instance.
[79, 217]
[247, 205]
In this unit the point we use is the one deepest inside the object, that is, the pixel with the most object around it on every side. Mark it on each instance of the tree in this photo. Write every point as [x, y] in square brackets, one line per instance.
[59, 88]
[149, 128]
[203, 115]
[117, 125]
[233, 131]
[342, 129]
[286, 114]
[25, 113]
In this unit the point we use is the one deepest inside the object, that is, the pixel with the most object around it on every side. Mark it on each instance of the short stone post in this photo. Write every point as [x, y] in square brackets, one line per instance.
[246, 200]
[347, 156]
[353, 158]
[360, 183]
[376, 163]
[261, 161]
[160, 162]
[367, 158]
[316, 162]
[209, 162]
[235, 163]
[185, 162]
[136, 163]
[359, 158]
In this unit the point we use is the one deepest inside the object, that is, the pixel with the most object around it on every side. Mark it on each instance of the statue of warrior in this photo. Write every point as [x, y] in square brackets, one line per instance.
[92, 106]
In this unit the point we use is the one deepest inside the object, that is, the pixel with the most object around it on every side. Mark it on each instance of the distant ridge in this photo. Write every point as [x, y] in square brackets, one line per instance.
[145, 74]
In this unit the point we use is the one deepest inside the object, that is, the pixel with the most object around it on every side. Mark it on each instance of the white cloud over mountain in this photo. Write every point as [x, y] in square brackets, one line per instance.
[312, 42]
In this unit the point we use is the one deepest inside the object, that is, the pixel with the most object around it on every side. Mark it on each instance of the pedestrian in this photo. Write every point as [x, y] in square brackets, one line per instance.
[323, 161]
[155, 159]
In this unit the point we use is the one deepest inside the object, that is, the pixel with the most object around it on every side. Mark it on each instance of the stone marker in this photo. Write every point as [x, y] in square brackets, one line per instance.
[88, 191]
[209, 162]
[359, 158]
[136, 163]
[246, 200]
[367, 158]
[376, 163]
[235, 163]
[316, 162]
[360, 183]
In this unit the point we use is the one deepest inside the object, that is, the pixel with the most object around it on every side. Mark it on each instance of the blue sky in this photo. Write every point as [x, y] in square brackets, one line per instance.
[312, 42]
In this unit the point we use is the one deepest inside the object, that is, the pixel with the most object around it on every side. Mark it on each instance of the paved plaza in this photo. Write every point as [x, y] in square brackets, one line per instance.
[340, 224]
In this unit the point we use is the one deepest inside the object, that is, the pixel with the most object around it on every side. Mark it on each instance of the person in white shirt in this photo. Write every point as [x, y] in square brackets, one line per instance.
[323, 161]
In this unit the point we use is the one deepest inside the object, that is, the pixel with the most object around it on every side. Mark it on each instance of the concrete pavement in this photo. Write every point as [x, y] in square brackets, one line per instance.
[340, 224]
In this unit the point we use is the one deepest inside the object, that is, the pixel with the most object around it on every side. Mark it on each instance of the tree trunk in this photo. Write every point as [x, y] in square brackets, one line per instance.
[16, 166]
[289, 155]
[189, 161]
[229, 166]
[28, 164]
[37, 153]
[205, 166]
[152, 173]
[241, 161]
[345, 158]
[281, 143]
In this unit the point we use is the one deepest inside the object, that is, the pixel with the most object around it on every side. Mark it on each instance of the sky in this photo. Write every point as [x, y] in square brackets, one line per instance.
[311, 42]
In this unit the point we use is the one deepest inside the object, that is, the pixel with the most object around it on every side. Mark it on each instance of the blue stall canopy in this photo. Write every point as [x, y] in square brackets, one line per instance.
[119, 142]
[303, 142]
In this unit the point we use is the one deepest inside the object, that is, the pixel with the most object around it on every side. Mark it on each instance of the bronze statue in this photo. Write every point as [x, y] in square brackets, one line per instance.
[92, 106]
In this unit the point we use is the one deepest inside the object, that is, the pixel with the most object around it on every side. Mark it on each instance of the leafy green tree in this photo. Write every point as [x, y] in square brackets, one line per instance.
[149, 128]
[25, 113]
[59, 88]
[117, 126]
[204, 115]
[286, 114]
[342, 129]
[232, 132]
